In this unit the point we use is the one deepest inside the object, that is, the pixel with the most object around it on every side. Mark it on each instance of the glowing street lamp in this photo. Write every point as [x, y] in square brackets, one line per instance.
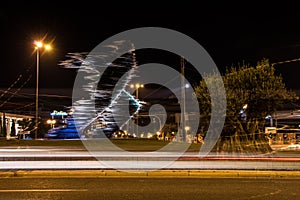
[38, 45]
[137, 86]
[51, 122]
[47, 47]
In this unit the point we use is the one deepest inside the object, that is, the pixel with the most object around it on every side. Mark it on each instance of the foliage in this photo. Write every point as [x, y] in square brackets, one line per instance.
[13, 128]
[29, 125]
[258, 89]
[1, 134]
[3, 128]
[26, 124]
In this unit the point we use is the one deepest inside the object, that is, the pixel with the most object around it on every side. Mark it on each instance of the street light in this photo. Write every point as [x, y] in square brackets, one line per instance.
[51, 122]
[137, 86]
[38, 45]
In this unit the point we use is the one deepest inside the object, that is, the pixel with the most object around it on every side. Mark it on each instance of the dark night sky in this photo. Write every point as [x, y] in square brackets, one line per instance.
[231, 33]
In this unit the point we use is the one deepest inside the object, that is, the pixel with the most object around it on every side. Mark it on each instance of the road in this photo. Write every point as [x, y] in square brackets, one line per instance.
[149, 188]
[13, 158]
[56, 173]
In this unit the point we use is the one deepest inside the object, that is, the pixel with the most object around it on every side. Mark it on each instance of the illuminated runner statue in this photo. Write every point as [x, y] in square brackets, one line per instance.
[103, 98]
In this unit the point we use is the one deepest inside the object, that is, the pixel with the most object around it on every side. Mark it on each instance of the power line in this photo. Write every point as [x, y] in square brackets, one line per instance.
[14, 93]
[11, 86]
[286, 61]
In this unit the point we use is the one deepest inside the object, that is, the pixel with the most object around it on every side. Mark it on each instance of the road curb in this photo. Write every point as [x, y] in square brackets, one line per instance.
[156, 173]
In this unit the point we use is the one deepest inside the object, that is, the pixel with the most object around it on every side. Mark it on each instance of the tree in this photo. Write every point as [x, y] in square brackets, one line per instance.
[1, 134]
[3, 130]
[29, 125]
[43, 128]
[251, 94]
[13, 128]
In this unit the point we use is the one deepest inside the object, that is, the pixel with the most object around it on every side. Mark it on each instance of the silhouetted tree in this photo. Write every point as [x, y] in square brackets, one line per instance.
[251, 94]
[27, 125]
[4, 130]
[1, 134]
[13, 128]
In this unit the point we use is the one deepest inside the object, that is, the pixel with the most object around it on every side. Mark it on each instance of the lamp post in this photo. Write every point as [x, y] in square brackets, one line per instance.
[38, 45]
[137, 86]
[183, 113]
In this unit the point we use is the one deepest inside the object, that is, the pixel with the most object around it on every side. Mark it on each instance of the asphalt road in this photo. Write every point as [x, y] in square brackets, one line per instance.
[114, 188]
[15, 158]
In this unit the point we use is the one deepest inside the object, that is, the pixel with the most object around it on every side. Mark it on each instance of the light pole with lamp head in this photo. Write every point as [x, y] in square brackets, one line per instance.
[38, 45]
[137, 86]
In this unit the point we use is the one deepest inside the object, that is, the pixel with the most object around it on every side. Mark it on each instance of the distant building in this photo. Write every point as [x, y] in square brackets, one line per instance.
[286, 127]
[10, 119]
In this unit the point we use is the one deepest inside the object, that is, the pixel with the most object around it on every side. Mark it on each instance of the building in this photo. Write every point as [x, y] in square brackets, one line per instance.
[9, 123]
[285, 127]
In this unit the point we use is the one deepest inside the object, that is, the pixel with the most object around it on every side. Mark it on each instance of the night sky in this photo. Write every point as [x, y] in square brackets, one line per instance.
[231, 33]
